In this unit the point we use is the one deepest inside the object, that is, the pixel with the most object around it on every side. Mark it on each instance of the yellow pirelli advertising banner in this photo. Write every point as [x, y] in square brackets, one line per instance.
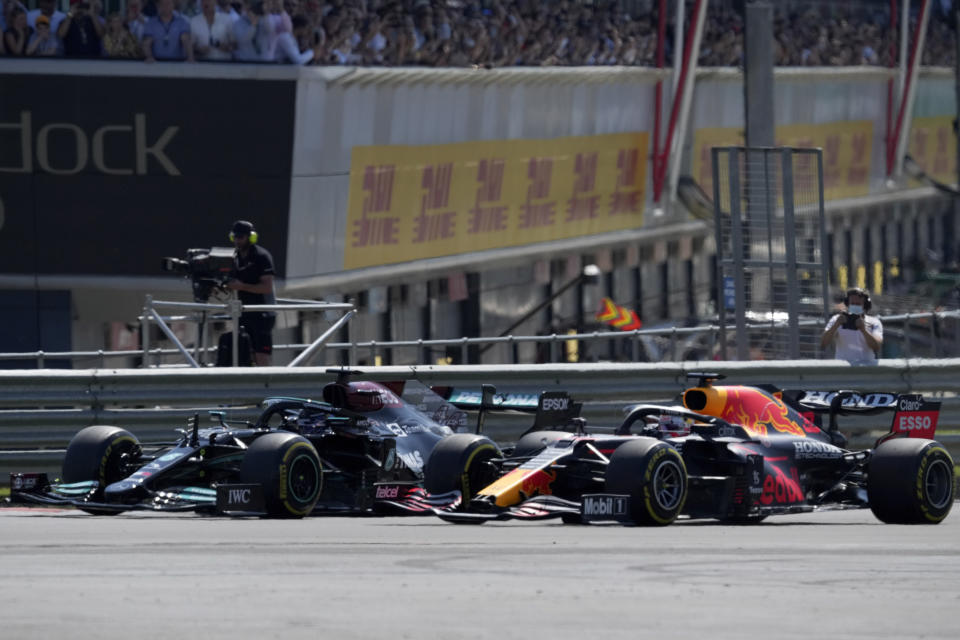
[846, 153]
[934, 147]
[414, 202]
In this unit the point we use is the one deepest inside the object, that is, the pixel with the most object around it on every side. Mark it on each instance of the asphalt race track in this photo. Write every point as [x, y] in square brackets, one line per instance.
[64, 574]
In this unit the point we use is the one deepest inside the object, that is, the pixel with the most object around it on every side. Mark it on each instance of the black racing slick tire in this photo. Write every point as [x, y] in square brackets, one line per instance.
[101, 453]
[458, 462]
[289, 470]
[910, 481]
[536, 441]
[653, 474]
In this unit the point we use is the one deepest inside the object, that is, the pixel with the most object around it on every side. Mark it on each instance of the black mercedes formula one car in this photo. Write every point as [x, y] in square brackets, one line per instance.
[358, 450]
[733, 453]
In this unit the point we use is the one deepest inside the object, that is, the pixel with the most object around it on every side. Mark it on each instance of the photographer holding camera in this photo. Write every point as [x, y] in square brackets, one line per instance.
[856, 335]
[81, 31]
[252, 279]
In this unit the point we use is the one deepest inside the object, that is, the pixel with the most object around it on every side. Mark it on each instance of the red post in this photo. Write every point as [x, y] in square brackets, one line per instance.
[675, 108]
[892, 150]
[893, 65]
[658, 95]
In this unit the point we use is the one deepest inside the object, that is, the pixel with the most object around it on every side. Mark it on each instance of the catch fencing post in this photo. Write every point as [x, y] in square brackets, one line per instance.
[145, 331]
[933, 335]
[235, 323]
[906, 336]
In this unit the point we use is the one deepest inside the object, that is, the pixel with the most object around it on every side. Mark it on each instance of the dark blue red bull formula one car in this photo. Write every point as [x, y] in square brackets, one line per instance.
[732, 453]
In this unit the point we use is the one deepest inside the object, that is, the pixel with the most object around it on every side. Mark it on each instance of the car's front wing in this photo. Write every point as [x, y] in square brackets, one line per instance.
[407, 498]
[538, 508]
[82, 495]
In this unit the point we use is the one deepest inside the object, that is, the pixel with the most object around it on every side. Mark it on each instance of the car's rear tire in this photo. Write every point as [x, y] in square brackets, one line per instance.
[98, 453]
[289, 470]
[653, 474]
[536, 441]
[910, 481]
[458, 463]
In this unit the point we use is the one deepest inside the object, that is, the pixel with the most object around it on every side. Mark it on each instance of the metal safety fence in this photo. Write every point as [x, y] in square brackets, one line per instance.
[771, 237]
[909, 335]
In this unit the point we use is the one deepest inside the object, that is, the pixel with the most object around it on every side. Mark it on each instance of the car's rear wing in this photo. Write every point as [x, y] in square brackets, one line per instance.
[550, 408]
[914, 416]
[843, 402]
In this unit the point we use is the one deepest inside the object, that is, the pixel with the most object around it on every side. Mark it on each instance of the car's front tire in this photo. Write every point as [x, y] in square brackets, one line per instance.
[101, 453]
[654, 475]
[289, 470]
[458, 462]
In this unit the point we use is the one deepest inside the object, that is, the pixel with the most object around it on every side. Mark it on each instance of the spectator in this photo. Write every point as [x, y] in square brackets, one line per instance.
[245, 33]
[274, 22]
[118, 42]
[96, 12]
[856, 336]
[54, 18]
[42, 42]
[277, 40]
[136, 22]
[81, 32]
[167, 35]
[212, 33]
[18, 33]
[556, 32]
[301, 49]
[6, 6]
[224, 7]
[186, 8]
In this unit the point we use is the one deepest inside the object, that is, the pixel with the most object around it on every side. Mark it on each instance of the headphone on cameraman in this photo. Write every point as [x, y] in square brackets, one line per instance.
[860, 292]
[242, 227]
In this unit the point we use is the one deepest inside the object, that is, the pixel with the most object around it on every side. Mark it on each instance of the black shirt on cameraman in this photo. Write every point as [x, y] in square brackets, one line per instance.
[249, 269]
[81, 39]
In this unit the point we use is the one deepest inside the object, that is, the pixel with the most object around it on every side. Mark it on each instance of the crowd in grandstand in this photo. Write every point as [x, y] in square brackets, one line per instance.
[458, 33]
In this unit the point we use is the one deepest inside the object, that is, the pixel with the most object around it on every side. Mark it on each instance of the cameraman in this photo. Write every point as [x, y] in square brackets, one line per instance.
[856, 335]
[81, 31]
[252, 279]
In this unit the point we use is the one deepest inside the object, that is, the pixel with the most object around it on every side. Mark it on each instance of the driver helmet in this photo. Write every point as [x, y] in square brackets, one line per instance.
[674, 426]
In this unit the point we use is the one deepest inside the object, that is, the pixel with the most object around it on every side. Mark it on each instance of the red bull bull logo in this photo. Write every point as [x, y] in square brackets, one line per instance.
[760, 413]
[537, 483]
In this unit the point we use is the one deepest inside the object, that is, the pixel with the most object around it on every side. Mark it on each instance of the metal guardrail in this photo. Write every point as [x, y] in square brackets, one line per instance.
[910, 338]
[45, 408]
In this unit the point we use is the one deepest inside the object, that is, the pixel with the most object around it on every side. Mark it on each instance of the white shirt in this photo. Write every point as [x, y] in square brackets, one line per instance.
[850, 343]
[135, 27]
[204, 34]
[230, 12]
